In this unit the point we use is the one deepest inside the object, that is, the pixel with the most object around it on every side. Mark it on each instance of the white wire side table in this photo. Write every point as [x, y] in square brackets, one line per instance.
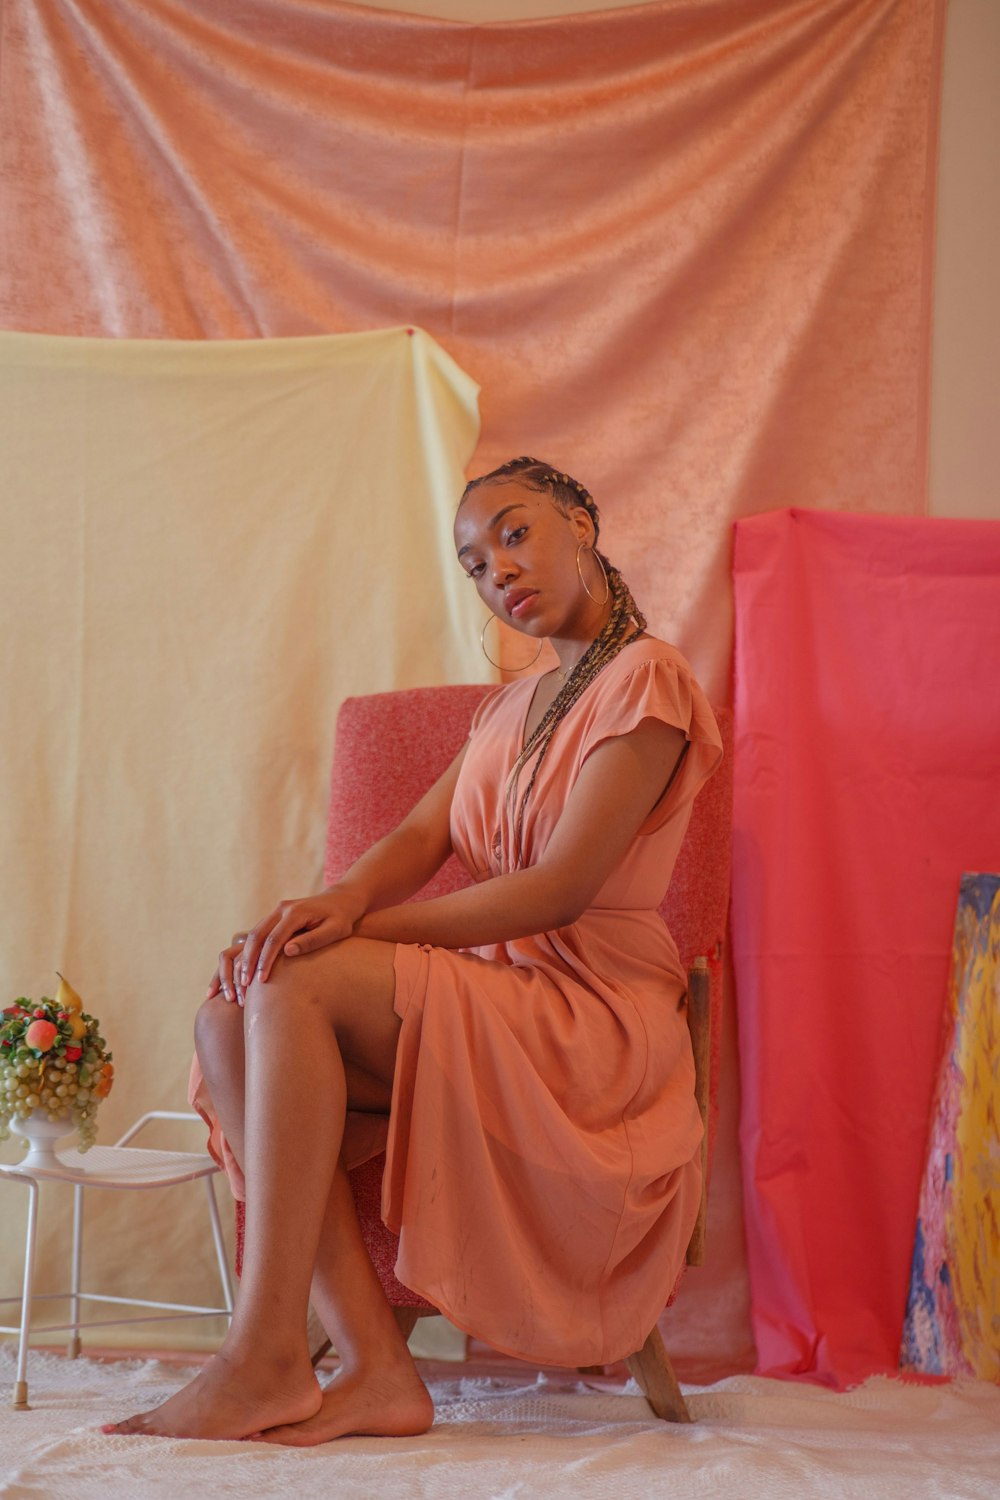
[120, 1166]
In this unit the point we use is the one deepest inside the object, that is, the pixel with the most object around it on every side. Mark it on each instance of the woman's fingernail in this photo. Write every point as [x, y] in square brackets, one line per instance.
[293, 948]
[243, 974]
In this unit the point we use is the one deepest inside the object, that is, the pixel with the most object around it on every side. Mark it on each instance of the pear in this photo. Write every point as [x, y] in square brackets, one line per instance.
[66, 996]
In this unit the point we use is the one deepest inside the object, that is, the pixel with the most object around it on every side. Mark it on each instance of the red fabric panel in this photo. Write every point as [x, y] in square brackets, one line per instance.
[867, 776]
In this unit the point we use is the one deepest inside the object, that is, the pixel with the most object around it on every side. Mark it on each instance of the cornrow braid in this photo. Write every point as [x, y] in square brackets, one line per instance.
[566, 492]
[625, 622]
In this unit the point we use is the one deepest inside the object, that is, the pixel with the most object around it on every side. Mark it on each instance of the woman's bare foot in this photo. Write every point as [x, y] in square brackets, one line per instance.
[388, 1402]
[231, 1400]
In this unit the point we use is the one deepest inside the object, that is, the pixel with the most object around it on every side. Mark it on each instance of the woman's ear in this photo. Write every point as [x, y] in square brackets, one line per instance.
[582, 523]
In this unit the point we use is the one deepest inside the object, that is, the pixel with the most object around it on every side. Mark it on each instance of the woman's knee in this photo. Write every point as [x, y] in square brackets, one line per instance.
[350, 984]
[218, 1029]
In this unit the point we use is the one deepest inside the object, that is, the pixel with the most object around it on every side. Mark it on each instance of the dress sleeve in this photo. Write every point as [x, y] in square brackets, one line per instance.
[664, 689]
[484, 706]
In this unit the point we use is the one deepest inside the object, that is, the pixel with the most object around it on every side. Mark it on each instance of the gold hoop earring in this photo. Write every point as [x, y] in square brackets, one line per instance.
[492, 620]
[604, 574]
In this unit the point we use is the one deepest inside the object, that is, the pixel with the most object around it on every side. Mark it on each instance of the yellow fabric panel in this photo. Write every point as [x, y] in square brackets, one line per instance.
[205, 547]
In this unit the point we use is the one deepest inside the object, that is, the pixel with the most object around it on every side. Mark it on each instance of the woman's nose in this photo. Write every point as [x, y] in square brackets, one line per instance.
[503, 570]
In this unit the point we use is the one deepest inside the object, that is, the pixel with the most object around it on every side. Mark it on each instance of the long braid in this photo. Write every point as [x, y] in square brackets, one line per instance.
[625, 622]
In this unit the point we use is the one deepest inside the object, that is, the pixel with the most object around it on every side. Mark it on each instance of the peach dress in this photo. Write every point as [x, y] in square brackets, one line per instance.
[542, 1167]
[543, 1171]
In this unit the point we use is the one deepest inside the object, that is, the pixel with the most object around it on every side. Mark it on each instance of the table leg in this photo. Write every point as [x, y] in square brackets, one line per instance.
[220, 1247]
[20, 1402]
[74, 1345]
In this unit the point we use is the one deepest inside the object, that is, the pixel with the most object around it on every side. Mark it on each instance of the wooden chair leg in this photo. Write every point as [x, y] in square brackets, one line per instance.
[319, 1339]
[406, 1319]
[654, 1374]
[320, 1343]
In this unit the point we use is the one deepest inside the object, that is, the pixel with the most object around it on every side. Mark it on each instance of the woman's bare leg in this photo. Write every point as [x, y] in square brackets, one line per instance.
[345, 1290]
[313, 1009]
[377, 1390]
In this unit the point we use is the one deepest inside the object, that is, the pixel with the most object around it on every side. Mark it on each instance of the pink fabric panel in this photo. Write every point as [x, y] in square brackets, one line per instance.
[684, 247]
[867, 775]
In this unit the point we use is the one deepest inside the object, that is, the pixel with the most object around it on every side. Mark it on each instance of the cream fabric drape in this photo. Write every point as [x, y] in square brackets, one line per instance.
[205, 547]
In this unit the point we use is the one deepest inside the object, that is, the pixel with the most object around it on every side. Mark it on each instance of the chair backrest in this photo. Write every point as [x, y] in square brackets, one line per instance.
[392, 746]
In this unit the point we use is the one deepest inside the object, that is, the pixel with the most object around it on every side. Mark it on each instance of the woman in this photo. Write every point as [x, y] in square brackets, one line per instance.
[526, 1033]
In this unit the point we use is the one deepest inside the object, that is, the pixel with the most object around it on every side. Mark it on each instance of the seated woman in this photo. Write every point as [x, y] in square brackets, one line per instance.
[525, 1036]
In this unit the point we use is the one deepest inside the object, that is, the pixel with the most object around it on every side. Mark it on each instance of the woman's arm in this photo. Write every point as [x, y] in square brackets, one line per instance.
[386, 875]
[618, 786]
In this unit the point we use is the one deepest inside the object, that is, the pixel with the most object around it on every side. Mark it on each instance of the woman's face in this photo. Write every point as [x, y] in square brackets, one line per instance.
[521, 551]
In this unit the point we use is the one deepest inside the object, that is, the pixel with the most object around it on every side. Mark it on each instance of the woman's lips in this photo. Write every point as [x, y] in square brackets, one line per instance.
[517, 603]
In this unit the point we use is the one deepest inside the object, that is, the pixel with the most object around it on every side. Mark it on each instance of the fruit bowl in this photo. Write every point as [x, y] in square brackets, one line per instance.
[41, 1134]
[54, 1071]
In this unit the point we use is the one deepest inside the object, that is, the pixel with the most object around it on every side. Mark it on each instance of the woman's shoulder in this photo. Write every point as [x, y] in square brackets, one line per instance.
[499, 700]
[649, 678]
[642, 650]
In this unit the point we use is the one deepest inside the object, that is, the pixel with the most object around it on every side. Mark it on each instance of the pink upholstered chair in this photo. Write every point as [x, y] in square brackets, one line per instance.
[390, 748]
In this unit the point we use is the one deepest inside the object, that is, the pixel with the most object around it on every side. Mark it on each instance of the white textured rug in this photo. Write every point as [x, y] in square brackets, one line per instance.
[752, 1439]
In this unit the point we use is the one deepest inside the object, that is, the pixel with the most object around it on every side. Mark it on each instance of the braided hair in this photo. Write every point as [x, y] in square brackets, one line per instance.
[625, 622]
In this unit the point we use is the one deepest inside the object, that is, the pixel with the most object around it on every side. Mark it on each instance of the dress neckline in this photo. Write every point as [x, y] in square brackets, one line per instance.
[523, 730]
[523, 724]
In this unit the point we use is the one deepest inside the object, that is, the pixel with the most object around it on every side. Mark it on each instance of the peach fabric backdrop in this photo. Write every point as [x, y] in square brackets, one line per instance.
[684, 248]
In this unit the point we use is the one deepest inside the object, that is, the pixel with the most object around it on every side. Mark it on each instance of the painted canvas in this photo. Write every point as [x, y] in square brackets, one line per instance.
[952, 1322]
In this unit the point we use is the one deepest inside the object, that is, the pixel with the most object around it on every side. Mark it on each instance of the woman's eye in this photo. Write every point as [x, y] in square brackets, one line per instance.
[515, 536]
[475, 571]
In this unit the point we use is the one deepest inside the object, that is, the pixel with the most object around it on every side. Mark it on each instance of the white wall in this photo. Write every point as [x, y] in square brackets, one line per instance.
[965, 397]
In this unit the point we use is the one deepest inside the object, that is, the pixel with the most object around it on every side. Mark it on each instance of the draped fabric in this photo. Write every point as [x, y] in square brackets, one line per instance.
[195, 541]
[867, 766]
[684, 248]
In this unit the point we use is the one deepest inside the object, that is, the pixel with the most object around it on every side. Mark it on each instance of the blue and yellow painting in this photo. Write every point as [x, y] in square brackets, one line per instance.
[952, 1322]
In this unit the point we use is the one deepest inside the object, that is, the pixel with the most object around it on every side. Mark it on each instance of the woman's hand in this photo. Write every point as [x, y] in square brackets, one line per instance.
[223, 980]
[293, 928]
